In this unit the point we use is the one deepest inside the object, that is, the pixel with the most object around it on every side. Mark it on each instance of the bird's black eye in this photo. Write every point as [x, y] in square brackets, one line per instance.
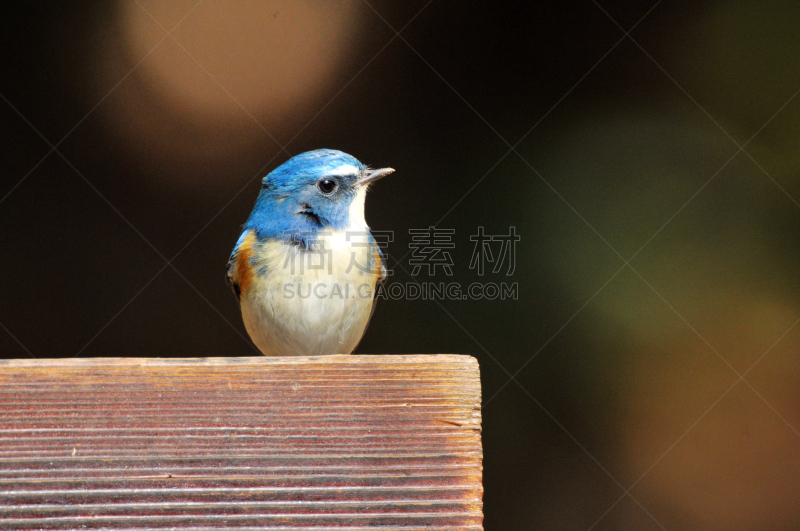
[327, 186]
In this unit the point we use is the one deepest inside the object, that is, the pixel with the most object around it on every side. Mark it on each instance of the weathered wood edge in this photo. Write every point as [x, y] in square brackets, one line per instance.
[403, 359]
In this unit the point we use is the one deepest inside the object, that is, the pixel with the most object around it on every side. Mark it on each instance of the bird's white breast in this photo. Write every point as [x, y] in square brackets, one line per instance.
[311, 301]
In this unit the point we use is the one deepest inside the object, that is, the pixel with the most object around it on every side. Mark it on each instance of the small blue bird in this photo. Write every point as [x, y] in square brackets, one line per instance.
[306, 268]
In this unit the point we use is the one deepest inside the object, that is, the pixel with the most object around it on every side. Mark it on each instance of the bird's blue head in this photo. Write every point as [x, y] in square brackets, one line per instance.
[317, 190]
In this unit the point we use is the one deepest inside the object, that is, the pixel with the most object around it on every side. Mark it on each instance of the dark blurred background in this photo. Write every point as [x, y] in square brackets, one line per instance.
[652, 179]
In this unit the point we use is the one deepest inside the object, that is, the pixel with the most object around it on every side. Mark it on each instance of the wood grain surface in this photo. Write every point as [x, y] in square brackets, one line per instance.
[338, 442]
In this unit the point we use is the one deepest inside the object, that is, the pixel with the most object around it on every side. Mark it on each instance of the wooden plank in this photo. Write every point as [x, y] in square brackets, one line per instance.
[339, 442]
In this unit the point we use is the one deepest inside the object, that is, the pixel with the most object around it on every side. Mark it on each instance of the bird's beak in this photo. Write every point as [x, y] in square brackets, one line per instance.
[371, 176]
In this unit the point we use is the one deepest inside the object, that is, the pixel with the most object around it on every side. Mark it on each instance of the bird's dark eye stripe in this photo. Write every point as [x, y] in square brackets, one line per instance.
[327, 186]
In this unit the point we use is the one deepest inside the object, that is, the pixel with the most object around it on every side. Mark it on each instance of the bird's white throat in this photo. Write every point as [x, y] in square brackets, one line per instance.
[357, 221]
